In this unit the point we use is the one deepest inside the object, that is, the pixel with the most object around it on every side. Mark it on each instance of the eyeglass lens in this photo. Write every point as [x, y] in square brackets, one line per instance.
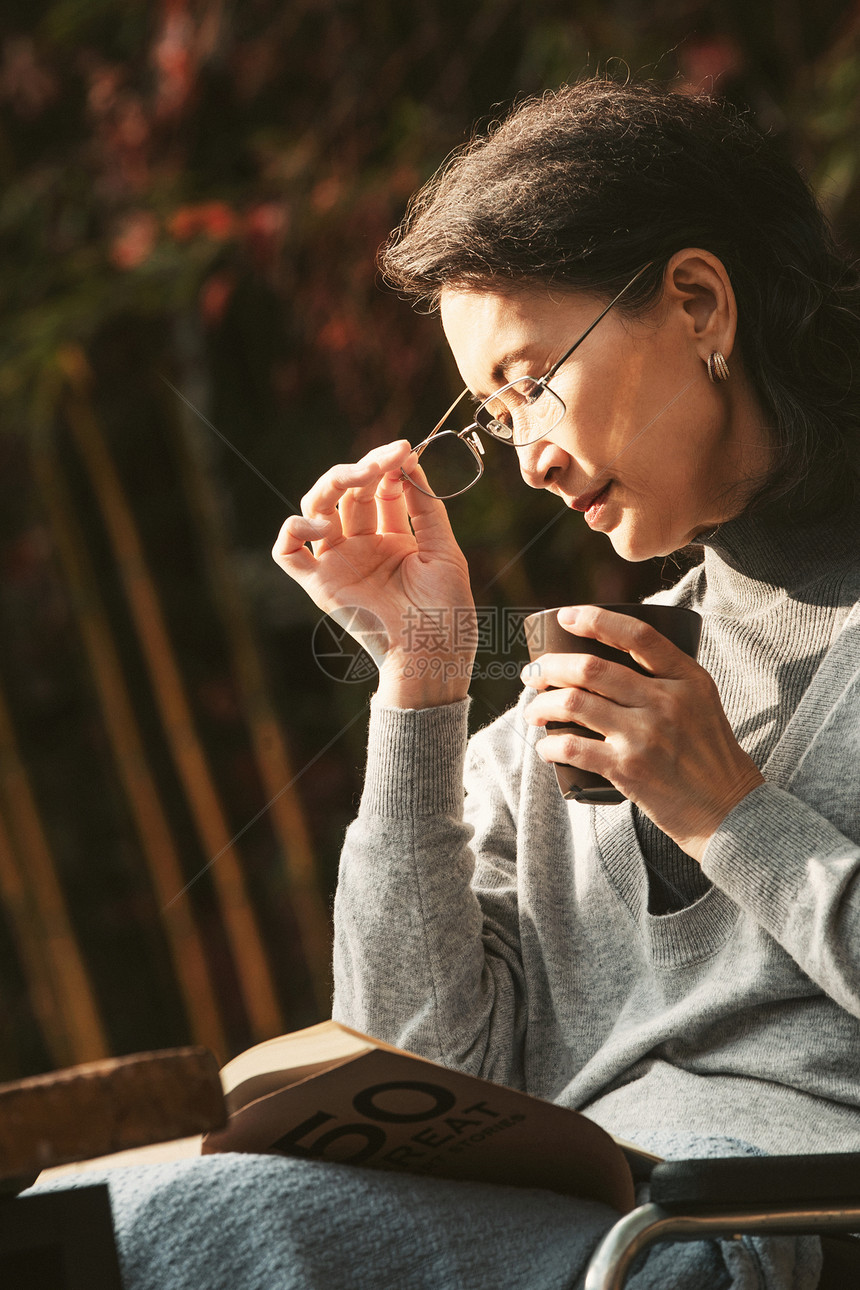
[521, 412]
[449, 464]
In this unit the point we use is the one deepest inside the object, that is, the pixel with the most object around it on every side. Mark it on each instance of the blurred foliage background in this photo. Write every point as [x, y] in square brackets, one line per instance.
[192, 196]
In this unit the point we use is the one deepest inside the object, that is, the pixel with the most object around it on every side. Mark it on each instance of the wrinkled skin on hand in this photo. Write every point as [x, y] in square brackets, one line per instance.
[668, 745]
[367, 539]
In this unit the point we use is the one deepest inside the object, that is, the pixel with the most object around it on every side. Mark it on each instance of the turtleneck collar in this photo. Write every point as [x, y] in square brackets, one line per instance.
[755, 555]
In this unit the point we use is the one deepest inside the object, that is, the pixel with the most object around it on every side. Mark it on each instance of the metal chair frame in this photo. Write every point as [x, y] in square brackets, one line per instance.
[772, 1202]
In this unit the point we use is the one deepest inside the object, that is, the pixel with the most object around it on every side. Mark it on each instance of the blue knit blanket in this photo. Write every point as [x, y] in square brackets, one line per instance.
[234, 1222]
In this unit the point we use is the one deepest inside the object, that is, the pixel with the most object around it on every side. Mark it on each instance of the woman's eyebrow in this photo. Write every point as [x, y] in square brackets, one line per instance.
[500, 373]
[501, 370]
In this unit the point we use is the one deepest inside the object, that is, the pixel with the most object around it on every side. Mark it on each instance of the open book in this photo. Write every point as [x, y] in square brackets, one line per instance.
[333, 1093]
[329, 1092]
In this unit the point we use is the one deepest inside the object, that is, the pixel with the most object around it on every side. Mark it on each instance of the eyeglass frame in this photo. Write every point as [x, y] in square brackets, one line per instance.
[469, 434]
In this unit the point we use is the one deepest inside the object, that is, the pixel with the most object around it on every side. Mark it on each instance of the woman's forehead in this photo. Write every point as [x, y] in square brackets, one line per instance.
[486, 335]
[491, 331]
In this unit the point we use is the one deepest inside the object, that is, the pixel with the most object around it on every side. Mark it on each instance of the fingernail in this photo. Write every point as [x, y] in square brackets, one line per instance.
[568, 617]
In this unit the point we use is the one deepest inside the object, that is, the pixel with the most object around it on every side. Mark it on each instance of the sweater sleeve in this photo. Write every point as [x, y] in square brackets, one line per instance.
[426, 954]
[790, 855]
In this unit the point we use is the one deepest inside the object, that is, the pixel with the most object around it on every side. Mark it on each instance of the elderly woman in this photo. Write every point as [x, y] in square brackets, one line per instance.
[690, 959]
[644, 303]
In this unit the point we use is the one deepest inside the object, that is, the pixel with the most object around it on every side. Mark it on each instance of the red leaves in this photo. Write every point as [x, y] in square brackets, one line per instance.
[25, 81]
[215, 296]
[132, 244]
[215, 220]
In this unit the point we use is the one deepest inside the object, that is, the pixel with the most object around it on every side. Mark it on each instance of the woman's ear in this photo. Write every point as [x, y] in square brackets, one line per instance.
[696, 283]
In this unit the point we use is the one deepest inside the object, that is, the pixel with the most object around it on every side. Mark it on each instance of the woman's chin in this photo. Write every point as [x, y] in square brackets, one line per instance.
[634, 549]
[636, 545]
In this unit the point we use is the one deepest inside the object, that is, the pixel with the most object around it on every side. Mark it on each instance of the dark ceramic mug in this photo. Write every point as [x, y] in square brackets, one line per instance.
[545, 635]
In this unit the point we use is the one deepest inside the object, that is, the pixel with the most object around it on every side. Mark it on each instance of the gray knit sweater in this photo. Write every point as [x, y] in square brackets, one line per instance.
[508, 933]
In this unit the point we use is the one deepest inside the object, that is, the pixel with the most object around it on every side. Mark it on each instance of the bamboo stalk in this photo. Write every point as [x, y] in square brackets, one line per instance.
[258, 989]
[159, 850]
[81, 1036]
[23, 919]
[270, 749]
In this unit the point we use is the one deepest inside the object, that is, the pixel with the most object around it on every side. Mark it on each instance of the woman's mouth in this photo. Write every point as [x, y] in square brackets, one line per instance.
[592, 503]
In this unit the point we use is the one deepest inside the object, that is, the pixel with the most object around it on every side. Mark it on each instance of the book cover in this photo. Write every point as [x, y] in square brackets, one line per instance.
[331, 1093]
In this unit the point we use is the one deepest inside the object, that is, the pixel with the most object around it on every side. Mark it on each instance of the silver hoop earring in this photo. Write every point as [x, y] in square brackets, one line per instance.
[718, 368]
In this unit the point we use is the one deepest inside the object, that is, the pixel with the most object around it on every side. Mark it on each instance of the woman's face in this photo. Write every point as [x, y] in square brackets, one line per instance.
[649, 449]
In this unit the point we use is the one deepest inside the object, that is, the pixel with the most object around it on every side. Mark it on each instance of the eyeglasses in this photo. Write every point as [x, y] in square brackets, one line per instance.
[519, 413]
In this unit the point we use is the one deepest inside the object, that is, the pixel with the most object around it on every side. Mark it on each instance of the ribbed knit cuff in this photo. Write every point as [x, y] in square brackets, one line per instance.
[764, 850]
[415, 760]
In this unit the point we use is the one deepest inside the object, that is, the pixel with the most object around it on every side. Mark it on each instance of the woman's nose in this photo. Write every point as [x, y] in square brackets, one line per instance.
[540, 462]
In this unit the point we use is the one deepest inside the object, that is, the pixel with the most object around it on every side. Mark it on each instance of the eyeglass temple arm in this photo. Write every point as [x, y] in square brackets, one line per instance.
[552, 371]
[544, 380]
[469, 432]
[439, 424]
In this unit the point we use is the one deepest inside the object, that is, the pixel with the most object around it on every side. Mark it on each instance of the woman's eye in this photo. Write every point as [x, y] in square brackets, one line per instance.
[496, 421]
[497, 411]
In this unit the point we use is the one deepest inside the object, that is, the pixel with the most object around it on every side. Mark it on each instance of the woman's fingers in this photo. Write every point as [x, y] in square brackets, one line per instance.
[429, 517]
[565, 680]
[357, 510]
[392, 511]
[573, 705]
[363, 475]
[291, 553]
[297, 530]
[365, 495]
[585, 673]
[667, 744]
[379, 506]
[607, 697]
[365, 525]
[645, 645]
[372, 496]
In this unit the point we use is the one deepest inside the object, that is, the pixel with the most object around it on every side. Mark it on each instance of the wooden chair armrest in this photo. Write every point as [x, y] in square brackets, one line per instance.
[104, 1107]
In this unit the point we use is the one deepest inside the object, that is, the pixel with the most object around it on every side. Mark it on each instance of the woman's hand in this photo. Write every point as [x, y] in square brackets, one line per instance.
[382, 547]
[667, 745]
